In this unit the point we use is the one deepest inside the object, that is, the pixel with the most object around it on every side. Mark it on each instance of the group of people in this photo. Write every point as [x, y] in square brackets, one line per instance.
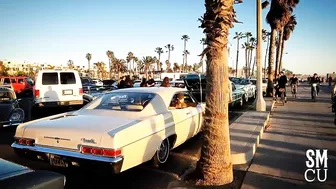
[151, 82]
[282, 81]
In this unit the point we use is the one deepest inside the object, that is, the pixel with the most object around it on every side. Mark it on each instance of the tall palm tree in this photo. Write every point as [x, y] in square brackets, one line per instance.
[184, 38]
[176, 67]
[289, 5]
[71, 64]
[110, 55]
[203, 42]
[135, 60]
[169, 48]
[253, 45]
[266, 38]
[288, 29]
[215, 166]
[159, 51]
[129, 58]
[147, 61]
[185, 54]
[88, 57]
[119, 65]
[246, 47]
[238, 36]
[100, 69]
[275, 18]
[168, 65]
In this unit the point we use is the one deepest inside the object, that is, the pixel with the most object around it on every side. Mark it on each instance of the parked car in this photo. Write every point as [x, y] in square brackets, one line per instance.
[58, 88]
[11, 113]
[13, 175]
[177, 83]
[197, 87]
[98, 82]
[248, 87]
[87, 84]
[264, 84]
[22, 86]
[120, 129]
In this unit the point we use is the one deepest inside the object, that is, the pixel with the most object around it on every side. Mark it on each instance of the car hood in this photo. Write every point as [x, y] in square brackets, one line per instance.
[5, 109]
[69, 130]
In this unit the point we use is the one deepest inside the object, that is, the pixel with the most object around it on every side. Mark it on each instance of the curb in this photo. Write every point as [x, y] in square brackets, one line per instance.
[246, 157]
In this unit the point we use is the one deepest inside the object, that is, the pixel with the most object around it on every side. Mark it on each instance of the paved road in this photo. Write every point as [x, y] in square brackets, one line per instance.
[301, 124]
[143, 176]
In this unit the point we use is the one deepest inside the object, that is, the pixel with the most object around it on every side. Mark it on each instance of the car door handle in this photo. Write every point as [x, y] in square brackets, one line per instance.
[188, 113]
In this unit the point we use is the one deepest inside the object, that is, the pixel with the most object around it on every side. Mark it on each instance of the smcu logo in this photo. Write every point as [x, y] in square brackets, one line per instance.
[317, 165]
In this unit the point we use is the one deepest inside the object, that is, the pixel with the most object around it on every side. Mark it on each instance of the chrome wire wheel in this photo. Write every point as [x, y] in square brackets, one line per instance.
[163, 151]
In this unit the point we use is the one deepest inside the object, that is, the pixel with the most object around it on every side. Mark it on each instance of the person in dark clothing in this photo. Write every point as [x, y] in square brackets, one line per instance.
[315, 80]
[282, 81]
[122, 83]
[150, 82]
[330, 80]
[128, 82]
[143, 83]
[294, 84]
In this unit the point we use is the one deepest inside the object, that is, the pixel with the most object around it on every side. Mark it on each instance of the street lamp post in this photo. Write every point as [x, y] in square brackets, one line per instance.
[261, 104]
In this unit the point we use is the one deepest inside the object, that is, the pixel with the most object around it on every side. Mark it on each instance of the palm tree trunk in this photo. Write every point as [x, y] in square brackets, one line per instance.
[169, 55]
[250, 61]
[110, 67]
[281, 54]
[265, 63]
[246, 61]
[271, 52]
[278, 53]
[215, 166]
[254, 61]
[158, 66]
[237, 57]
[89, 68]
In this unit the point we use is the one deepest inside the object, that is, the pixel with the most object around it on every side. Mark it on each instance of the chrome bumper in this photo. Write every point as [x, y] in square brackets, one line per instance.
[9, 124]
[67, 153]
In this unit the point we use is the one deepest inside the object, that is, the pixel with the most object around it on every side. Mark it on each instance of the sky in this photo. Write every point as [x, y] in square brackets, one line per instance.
[52, 32]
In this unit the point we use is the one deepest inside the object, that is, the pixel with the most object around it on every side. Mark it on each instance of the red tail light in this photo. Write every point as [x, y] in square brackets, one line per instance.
[100, 151]
[80, 91]
[26, 142]
[37, 93]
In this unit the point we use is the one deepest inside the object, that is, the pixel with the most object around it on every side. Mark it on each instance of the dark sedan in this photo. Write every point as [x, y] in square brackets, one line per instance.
[11, 113]
[13, 175]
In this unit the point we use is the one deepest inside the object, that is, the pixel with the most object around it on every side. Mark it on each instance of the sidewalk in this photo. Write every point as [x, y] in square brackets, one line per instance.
[280, 159]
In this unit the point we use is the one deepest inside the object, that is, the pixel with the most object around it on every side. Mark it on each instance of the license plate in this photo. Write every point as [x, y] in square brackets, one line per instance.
[67, 92]
[58, 161]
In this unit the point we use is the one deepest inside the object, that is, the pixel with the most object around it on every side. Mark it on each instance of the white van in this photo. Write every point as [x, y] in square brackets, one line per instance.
[58, 88]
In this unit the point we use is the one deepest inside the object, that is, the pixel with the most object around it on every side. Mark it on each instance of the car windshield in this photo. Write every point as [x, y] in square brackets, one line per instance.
[6, 96]
[122, 101]
[254, 82]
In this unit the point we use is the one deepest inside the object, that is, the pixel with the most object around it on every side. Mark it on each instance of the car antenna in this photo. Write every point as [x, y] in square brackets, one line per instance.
[200, 80]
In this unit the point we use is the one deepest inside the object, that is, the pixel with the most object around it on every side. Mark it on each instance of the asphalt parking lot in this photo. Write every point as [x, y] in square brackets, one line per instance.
[143, 176]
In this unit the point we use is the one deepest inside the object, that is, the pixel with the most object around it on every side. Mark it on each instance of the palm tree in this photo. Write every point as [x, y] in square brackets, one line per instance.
[184, 38]
[147, 61]
[266, 38]
[129, 58]
[100, 69]
[135, 60]
[215, 166]
[168, 65]
[176, 67]
[185, 54]
[289, 6]
[238, 36]
[246, 47]
[275, 18]
[119, 65]
[169, 48]
[88, 57]
[159, 51]
[253, 44]
[110, 55]
[203, 42]
[70, 64]
[288, 29]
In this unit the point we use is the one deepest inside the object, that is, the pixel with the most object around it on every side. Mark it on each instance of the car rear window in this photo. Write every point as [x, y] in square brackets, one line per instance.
[123, 101]
[68, 78]
[50, 78]
[20, 80]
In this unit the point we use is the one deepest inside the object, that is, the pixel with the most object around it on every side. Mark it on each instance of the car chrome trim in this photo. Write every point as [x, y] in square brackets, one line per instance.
[11, 124]
[68, 153]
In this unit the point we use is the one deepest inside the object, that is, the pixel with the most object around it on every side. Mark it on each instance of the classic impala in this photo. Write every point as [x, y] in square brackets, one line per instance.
[121, 129]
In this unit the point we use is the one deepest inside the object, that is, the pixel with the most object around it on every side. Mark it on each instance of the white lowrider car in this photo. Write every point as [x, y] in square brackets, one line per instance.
[248, 88]
[121, 129]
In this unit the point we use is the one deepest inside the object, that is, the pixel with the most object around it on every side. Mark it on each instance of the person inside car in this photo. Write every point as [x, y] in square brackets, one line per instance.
[165, 82]
[143, 83]
[180, 104]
